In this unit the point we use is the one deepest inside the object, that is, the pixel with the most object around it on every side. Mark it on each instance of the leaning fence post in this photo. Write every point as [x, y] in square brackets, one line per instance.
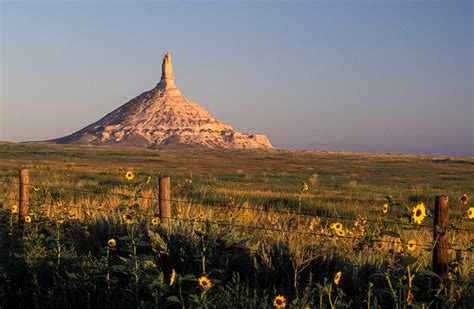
[165, 199]
[23, 181]
[440, 236]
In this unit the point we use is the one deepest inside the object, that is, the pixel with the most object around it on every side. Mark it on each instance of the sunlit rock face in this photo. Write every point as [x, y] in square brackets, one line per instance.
[162, 117]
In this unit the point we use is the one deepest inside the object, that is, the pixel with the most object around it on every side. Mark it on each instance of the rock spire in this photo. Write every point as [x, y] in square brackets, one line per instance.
[166, 86]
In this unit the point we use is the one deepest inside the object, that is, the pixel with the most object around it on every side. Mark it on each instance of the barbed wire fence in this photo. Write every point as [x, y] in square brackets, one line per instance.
[164, 201]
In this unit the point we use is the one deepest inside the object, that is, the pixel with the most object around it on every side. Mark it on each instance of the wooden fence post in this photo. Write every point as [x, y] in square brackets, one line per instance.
[440, 235]
[23, 195]
[165, 199]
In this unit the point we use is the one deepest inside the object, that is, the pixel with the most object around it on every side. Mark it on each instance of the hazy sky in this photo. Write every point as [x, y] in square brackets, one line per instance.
[377, 76]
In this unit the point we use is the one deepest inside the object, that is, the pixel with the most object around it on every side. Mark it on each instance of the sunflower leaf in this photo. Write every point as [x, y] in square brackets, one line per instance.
[429, 273]
[173, 299]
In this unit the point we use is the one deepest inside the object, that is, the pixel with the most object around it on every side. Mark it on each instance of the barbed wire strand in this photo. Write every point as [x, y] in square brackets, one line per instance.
[222, 223]
[388, 222]
[193, 221]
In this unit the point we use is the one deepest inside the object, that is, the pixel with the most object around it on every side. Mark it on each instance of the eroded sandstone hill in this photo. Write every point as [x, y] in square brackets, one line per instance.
[163, 117]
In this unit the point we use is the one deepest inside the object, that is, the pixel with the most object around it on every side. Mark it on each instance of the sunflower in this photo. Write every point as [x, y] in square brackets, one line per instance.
[59, 203]
[337, 226]
[464, 199]
[340, 232]
[128, 219]
[385, 208]
[378, 246]
[419, 213]
[112, 243]
[231, 215]
[27, 219]
[411, 245]
[337, 277]
[155, 221]
[279, 301]
[470, 213]
[101, 205]
[87, 213]
[173, 277]
[15, 209]
[129, 175]
[201, 216]
[205, 283]
[60, 221]
[36, 189]
[304, 187]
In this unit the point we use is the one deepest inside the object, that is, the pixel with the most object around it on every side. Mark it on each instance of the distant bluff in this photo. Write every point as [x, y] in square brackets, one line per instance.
[162, 117]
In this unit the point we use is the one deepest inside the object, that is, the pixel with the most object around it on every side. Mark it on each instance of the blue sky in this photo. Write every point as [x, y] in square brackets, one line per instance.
[375, 76]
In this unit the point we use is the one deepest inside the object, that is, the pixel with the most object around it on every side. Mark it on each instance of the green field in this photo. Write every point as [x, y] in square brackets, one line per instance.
[287, 254]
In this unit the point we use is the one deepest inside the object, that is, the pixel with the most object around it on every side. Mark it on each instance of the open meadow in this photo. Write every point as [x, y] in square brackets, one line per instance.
[249, 229]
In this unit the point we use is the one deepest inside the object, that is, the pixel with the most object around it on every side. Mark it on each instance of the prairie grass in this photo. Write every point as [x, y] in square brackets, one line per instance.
[257, 245]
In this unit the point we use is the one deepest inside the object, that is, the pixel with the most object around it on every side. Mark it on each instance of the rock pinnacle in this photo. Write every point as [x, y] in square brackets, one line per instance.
[166, 86]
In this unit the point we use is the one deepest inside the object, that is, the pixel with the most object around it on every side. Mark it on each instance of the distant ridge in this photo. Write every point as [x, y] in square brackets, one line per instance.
[162, 117]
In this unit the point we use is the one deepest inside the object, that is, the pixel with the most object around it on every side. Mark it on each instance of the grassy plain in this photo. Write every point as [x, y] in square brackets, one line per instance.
[255, 264]
[339, 182]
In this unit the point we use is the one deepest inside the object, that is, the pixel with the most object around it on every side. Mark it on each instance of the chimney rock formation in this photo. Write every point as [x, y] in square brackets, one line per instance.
[166, 86]
[162, 117]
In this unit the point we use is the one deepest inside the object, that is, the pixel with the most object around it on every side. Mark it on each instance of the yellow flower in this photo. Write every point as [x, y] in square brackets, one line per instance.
[340, 232]
[337, 277]
[36, 189]
[15, 209]
[385, 208]
[27, 219]
[201, 216]
[129, 175]
[60, 221]
[124, 217]
[378, 246]
[304, 187]
[101, 205]
[464, 199]
[205, 283]
[129, 219]
[59, 203]
[112, 243]
[279, 301]
[173, 277]
[470, 213]
[337, 226]
[411, 245]
[155, 221]
[148, 179]
[87, 213]
[419, 213]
